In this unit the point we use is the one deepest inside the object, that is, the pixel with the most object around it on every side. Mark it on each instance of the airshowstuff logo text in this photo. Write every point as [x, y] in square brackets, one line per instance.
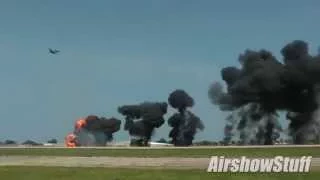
[243, 164]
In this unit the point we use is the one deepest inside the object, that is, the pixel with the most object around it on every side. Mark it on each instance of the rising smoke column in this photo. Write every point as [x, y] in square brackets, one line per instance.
[263, 86]
[93, 131]
[184, 124]
[142, 119]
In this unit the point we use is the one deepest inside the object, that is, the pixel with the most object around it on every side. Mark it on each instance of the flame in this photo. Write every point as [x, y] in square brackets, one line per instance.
[80, 123]
[70, 140]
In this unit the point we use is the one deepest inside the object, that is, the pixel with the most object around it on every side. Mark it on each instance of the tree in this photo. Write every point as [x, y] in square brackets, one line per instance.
[138, 142]
[162, 140]
[53, 141]
[10, 142]
[30, 142]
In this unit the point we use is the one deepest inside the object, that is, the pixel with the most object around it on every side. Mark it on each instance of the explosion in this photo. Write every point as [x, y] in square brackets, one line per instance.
[93, 131]
[142, 119]
[184, 123]
[263, 86]
[70, 140]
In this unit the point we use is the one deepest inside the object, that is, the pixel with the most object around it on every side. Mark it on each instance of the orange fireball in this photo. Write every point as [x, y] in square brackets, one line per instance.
[80, 124]
[70, 140]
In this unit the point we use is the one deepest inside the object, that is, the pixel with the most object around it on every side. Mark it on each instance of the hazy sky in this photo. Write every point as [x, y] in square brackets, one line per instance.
[125, 52]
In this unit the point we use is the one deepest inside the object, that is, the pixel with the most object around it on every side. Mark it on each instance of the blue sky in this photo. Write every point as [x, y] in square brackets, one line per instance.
[125, 52]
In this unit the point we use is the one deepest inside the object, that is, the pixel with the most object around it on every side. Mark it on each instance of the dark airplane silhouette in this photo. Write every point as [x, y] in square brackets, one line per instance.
[53, 51]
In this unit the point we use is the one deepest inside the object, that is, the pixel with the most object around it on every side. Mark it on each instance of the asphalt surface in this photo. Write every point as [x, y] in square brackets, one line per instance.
[127, 162]
[123, 162]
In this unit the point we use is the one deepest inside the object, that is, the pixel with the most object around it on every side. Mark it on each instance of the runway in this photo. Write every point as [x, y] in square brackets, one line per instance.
[117, 162]
[158, 147]
[127, 162]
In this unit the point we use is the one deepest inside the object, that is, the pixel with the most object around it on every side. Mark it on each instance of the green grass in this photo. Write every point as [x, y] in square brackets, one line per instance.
[59, 173]
[207, 152]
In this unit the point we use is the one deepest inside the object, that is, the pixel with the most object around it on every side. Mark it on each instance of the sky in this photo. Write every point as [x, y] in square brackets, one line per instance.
[117, 52]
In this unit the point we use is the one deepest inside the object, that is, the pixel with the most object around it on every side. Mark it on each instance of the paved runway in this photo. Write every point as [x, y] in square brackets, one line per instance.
[159, 147]
[124, 162]
[132, 162]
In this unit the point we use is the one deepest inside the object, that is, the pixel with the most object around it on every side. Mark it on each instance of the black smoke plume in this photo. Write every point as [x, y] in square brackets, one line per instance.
[142, 119]
[184, 124]
[264, 86]
[95, 131]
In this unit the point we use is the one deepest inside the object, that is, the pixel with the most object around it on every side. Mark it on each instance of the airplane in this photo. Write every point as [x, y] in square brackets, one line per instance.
[55, 51]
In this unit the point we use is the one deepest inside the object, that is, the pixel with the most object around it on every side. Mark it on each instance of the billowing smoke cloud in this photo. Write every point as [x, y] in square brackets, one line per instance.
[264, 86]
[184, 124]
[93, 131]
[142, 119]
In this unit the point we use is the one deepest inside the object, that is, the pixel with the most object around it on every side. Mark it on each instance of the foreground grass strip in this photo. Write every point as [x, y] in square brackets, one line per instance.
[49, 173]
[230, 152]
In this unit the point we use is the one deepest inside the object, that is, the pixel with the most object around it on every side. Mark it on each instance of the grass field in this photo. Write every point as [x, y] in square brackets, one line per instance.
[50, 173]
[230, 152]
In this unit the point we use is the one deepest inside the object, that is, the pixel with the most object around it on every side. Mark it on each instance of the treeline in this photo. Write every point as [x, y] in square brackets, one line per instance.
[224, 143]
[161, 140]
[27, 142]
[234, 143]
